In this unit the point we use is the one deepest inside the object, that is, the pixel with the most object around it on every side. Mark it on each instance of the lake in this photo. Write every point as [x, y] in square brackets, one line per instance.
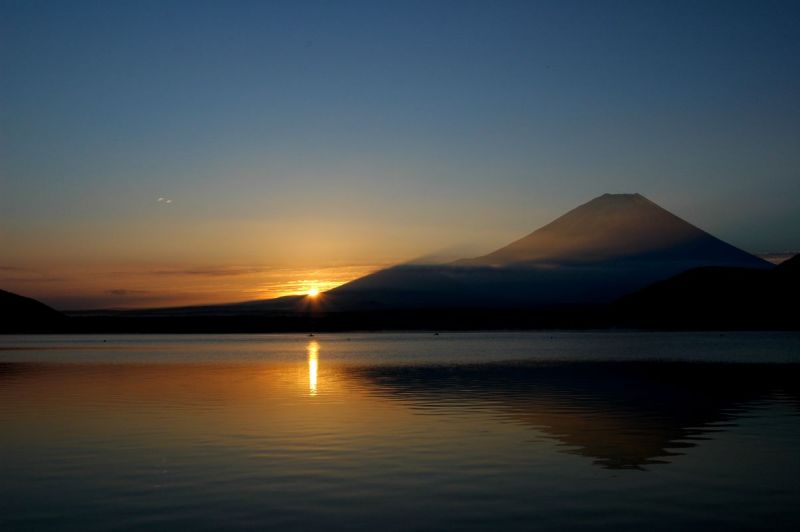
[468, 431]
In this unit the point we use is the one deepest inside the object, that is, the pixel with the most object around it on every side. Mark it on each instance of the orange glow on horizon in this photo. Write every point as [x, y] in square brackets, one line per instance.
[167, 285]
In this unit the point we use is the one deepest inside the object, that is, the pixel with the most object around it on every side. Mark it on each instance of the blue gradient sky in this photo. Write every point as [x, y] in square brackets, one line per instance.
[299, 136]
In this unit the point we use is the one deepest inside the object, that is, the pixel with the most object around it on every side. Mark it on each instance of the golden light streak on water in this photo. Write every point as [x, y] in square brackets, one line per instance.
[313, 365]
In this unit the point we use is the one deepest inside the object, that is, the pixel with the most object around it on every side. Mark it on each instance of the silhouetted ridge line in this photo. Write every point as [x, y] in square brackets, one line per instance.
[20, 314]
[719, 297]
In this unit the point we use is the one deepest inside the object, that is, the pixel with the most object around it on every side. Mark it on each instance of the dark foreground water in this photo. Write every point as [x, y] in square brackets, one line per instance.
[533, 431]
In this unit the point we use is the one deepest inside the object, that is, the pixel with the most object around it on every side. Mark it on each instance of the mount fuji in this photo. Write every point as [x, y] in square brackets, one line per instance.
[593, 254]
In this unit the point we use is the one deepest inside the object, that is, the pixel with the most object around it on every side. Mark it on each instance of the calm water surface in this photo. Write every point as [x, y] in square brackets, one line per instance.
[491, 431]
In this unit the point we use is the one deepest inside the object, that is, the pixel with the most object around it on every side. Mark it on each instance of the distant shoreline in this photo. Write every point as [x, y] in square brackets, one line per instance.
[606, 318]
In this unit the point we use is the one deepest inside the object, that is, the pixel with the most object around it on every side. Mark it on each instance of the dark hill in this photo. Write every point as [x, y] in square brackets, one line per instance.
[789, 266]
[19, 314]
[725, 298]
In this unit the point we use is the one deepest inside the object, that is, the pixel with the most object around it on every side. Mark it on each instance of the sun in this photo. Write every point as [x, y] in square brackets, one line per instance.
[313, 291]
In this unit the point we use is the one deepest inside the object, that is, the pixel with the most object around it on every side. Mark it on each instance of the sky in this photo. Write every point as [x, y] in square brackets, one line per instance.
[157, 153]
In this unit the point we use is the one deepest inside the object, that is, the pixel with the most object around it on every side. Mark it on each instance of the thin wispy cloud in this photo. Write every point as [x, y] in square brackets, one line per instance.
[213, 272]
[13, 269]
[15, 274]
[163, 200]
[126, 292]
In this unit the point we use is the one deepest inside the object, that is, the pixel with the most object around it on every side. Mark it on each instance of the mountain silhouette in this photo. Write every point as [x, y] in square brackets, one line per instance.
[23, 314]
[603, 249]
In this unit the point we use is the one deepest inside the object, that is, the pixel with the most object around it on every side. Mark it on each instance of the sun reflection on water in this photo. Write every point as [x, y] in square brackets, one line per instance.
[313, 363]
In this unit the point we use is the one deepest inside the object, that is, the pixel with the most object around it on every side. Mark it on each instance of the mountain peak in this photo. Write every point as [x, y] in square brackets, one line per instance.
[624, 195]
[616, 227]
[620, 199]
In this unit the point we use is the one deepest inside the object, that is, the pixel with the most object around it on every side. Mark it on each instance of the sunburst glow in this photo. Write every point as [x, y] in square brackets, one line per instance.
[313, 291]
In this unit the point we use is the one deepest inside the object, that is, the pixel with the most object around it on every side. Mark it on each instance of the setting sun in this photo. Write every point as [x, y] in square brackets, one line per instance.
[313, 292]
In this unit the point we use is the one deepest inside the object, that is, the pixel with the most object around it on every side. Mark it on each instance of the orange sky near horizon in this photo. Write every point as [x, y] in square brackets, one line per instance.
[167, 255]
[85, 288]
